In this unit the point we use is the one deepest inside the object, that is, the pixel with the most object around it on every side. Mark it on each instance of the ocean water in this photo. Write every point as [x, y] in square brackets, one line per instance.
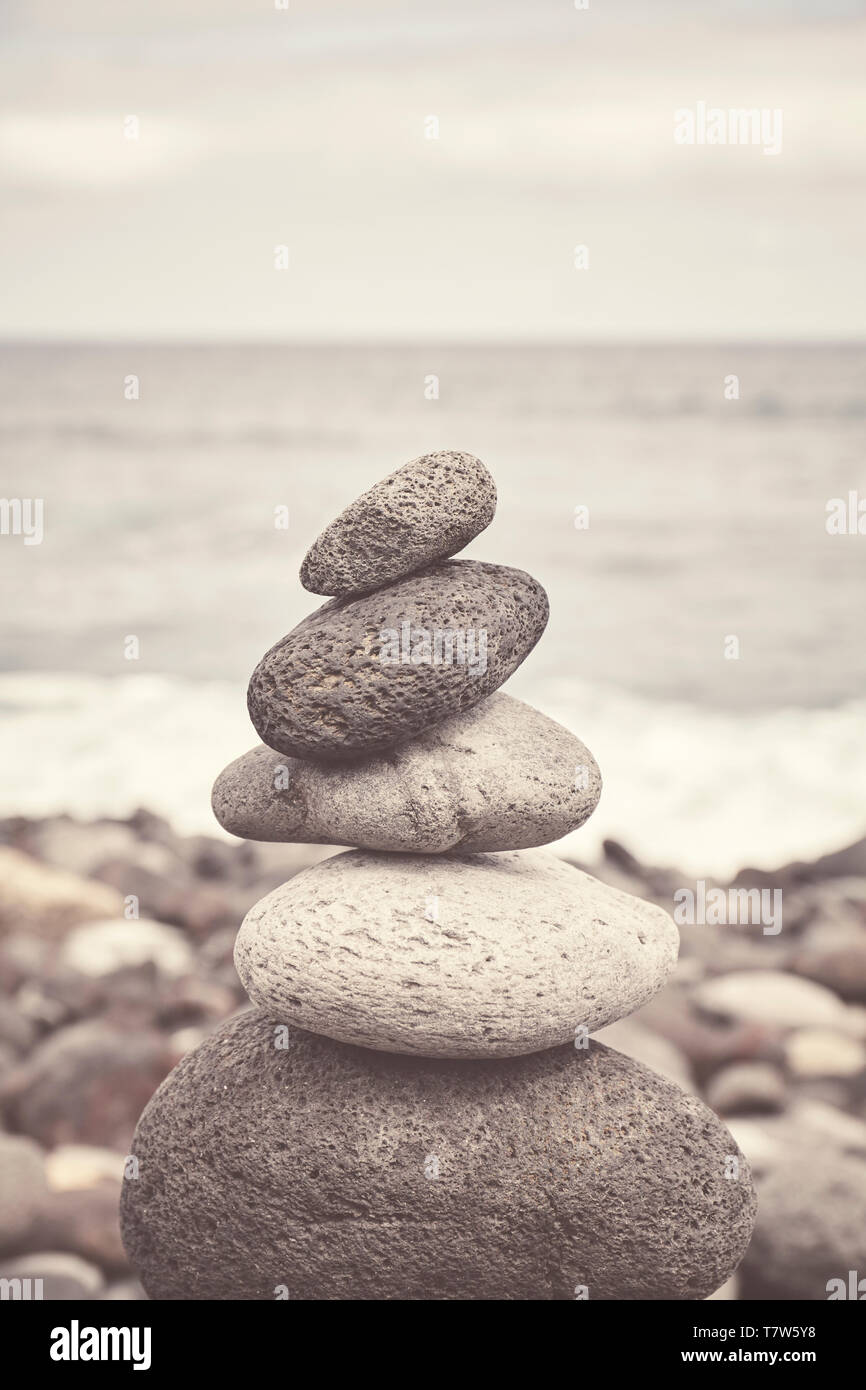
[706, 523]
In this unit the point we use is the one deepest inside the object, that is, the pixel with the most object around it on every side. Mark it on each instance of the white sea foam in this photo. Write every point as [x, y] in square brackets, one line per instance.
[707, 791]
[710, 791]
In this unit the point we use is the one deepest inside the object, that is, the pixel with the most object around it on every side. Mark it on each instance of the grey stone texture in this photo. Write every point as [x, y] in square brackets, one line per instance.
[318, 1171]
[425, 511]
[499, 776]
[325, 692]
[521, 952]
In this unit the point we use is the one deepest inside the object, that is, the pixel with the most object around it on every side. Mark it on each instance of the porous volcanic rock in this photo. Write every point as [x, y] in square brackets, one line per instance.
[338, 686]
[279, 1164]
[425, 511]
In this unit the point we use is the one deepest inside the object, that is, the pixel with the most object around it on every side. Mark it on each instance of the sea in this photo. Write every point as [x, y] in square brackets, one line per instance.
[706, 635]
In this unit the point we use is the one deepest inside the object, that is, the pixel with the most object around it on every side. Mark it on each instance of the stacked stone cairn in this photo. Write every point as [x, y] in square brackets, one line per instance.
[413, 1108]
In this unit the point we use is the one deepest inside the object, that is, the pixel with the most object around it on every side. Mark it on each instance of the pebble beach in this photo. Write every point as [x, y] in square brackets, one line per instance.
[95, 1015]
[426, 998]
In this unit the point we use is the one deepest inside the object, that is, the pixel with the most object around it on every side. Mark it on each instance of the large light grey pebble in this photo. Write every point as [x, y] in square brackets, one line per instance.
[487, 956]
[501, 776]
[294, 1167]
[427, 510]
[325, 691]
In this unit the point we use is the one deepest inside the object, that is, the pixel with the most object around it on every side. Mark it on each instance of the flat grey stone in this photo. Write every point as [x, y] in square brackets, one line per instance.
[278, 1164]
[500, 776]
[325, 692]
[427, 510]
[522, 951]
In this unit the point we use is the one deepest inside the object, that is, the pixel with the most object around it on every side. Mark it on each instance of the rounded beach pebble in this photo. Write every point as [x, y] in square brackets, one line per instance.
[501, 776]
[23, 1188]
[487, 956]
[811, 1228]
[363, 675]
[427, 510]
[275, 1164]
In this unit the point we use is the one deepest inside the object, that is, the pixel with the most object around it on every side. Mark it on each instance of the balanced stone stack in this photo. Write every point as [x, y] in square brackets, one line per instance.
[413, 1108]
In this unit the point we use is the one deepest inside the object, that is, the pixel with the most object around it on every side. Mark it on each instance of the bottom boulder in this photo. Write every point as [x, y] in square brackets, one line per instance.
[273, 1163]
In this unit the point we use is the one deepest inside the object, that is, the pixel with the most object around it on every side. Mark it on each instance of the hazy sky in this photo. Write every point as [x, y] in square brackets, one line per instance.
[306, 127]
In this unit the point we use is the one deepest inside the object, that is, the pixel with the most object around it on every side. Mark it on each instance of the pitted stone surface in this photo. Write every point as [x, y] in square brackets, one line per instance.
[325, 692]
[492, 955]
[501, 776]
[425, 511]
[328, 1172]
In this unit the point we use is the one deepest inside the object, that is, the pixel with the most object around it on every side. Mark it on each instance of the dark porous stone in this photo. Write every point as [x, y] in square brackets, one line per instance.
[427, 510]
[325, 692]
[316, 1170]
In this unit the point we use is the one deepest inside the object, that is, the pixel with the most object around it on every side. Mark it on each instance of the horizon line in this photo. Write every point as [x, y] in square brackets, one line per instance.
[35, 340]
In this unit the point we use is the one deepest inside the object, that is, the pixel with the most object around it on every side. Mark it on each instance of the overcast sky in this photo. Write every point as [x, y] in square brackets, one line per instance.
[306, 127]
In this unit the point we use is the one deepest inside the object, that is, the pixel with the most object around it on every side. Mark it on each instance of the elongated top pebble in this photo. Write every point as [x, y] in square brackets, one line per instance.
[428, 510]
[363, 675]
